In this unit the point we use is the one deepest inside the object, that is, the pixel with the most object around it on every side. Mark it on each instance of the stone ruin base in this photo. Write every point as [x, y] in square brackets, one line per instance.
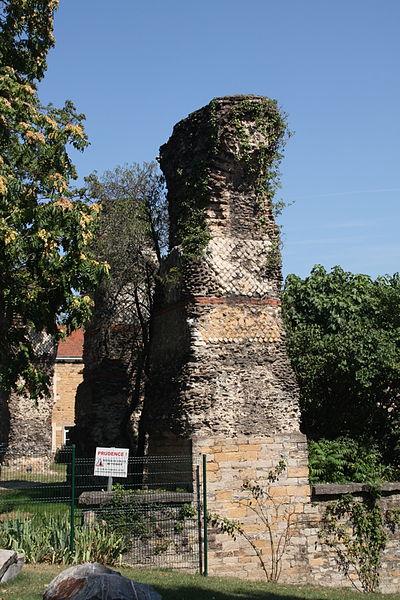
[232, 462]
[295, 510]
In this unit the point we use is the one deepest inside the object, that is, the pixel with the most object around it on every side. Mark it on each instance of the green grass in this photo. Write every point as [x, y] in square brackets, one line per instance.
[31, 502]
[173, 585]
[55, 473]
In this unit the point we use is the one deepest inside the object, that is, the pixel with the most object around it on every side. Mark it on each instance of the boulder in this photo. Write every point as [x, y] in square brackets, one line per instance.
[93, 581]
[11, 563]
[13, 568]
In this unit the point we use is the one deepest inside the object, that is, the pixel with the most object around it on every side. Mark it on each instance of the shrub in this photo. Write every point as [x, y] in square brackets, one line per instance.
[346, 460]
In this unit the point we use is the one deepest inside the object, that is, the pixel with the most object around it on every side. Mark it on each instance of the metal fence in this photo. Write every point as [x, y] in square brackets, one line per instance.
[56, 508]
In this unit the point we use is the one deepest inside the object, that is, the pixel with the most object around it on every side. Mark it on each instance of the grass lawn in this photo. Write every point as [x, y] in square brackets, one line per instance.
[172, 585]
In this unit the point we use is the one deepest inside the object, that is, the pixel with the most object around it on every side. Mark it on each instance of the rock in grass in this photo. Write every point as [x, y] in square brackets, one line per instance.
[15, 564]
[7, 558]
[92, 581]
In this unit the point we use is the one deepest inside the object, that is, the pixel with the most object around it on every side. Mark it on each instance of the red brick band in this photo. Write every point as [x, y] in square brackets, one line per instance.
[237, 300]
[204, 300]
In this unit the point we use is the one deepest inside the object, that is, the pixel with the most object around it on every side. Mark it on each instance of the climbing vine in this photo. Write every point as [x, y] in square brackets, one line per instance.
[263, 165]
[192, 231]
[268, 513]
[260, 164]
[358, 532]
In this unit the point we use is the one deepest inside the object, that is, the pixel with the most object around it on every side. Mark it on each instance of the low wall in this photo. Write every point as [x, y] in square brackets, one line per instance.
[232, 462]
[295, 511]
[323, 565]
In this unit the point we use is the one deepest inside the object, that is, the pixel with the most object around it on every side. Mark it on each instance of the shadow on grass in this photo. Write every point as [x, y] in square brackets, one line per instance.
[36, 498]
[187, 593]
[183, 586]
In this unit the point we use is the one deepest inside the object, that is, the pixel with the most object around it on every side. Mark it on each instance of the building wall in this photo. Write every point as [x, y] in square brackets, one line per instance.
[231, 463]
[294, 508]
[218, 363]
[68, 374]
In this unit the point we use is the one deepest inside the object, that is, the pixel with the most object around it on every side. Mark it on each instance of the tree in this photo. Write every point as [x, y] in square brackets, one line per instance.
[47, 266]
[343, 338]
[131, 236]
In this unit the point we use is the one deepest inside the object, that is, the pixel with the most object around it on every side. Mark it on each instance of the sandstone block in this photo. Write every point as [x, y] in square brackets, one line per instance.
[297, 471]
[7, 559]
[14, 569]
[223, 495]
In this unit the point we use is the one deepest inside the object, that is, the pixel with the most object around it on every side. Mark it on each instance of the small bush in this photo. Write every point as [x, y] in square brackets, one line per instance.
[345, 460]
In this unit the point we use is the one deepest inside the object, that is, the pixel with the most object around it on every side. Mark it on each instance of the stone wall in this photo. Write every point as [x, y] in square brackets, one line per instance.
[231, 463]
[220, 382]
[30, 426]
[294, 509]
[105, 415]
[27, 428]
[323, 564]
[67, 377]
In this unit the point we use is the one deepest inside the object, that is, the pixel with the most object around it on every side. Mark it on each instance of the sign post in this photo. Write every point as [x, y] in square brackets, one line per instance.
[111, 462]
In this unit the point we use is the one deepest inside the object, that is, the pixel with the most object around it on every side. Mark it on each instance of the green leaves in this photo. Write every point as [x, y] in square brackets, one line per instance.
[47, 266]
[345, 460]
[46, 538]
[27, 35]
[343, 338]
[357, 531]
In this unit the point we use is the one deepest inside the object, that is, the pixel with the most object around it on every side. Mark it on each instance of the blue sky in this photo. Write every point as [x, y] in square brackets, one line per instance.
[136, 68]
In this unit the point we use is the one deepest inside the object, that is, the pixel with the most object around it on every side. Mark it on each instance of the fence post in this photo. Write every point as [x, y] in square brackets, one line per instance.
[72, 521]
[199, 528]
[205, 532]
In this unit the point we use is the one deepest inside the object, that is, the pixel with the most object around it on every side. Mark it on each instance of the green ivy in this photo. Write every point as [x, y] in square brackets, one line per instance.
[192, 230]
[357, 531]
[272, 124]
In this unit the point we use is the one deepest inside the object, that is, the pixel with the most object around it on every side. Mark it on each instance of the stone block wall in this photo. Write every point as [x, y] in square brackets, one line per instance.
[218, 363]
[30, 426]
[220, 382]
[26, 425]
[305, 560]
[109, 399]
[232, 462]
[68, 376]
[322, 559]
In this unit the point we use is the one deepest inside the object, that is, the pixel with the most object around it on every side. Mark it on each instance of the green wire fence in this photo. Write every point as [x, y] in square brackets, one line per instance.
[55, 510]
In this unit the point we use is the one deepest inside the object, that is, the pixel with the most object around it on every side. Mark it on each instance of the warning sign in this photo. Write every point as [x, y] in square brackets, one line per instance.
[111, 462]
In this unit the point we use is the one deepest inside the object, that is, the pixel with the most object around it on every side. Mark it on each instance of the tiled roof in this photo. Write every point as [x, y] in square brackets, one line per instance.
[72, 346]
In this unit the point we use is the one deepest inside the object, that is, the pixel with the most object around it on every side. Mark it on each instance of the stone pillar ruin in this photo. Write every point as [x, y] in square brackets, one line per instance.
[104, 410]
[25, 425]
[220, 381]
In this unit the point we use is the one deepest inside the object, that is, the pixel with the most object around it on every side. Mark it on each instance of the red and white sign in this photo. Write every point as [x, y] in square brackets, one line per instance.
[111, 462]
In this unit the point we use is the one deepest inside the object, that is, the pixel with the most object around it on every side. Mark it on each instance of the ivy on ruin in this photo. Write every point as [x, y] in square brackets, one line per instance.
[261, 166]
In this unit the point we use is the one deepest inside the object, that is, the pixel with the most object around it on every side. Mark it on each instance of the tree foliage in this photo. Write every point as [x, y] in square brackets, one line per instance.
[344, 344]
[344, 460]
[132, 199]
[45, 229]
[132, 235]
